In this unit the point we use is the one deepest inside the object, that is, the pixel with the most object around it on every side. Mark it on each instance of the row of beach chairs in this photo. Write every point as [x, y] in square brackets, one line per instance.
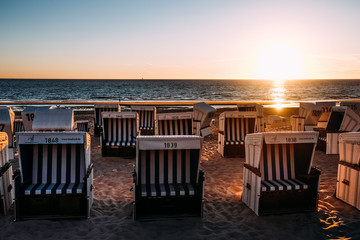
[55, 175]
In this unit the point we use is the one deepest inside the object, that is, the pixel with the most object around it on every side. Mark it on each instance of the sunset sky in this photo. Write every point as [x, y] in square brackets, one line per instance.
[212, 39]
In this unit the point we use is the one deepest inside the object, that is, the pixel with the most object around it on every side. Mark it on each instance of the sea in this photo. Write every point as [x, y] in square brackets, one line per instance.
[177, 90]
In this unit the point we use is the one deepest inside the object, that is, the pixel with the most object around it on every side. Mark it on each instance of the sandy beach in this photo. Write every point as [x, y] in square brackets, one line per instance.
[225, 215]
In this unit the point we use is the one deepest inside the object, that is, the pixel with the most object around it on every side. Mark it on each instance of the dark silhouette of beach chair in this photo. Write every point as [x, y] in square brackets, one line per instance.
[6, 188]
[179, 123]
[348, 178]
[120, 130]
[233, 128]
[98, 109]
[55, 175]
[255, 108]
[278, 177]
[7, 118]
[203, 114]
[82, 125]
[167, 179]
[341, 119]
[147, 116]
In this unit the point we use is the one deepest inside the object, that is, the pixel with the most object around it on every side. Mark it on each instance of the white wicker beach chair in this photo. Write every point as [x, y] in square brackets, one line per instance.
[258, 109]
[57, 119]
[348, 177]
[55, 177]
[147, 116]
[120, 130]
[203, 114]
[342, 119]
[7, 118]
[98, 109]
[6, 188]
[233, 128]
[325, 114]
[311, 114]
[82, 125]
[28, 115]
[180, 123]
[355, 106]
[167, 179]
[278, 177]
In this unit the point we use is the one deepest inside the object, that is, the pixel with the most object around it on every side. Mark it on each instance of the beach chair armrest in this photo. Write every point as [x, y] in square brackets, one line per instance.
[89, 170]
[253, 169]
[4, 168]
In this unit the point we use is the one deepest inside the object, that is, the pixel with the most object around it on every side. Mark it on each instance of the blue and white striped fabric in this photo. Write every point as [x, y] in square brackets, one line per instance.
[237, 128]
[168, 172]
[277, 168]
[120, 131]
[56, 169]
[146, 119]
[175, 127]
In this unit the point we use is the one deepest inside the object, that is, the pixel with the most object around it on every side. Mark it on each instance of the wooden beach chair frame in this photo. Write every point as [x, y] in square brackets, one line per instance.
[120, 130]
[348, 177]
[341, 119]
[278, 177]
[6, 188]
[233, 128]
[178, 123]
[55, 175]
[147, 118]
[98, 109]
[167, 179]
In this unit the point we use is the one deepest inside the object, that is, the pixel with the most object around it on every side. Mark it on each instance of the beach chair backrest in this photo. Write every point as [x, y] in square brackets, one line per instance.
[54, 162]
[310, 112]
[53, 120]
[7, 118]
[174, 123]
[146, 116]
[104, 107]
[28, 115]
[82, 125]
[120, 128]
[163, 162]
[251, 107]
[343, 119]
[236, 125]
[349, 148]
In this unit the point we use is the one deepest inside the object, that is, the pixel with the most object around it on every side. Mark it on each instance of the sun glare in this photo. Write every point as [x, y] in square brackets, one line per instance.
[279, 62]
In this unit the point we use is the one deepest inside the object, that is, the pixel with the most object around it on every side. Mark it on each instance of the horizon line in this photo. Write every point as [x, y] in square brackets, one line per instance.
[231, 79]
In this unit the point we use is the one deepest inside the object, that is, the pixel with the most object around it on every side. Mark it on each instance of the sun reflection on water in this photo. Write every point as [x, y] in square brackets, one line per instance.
[278, 94]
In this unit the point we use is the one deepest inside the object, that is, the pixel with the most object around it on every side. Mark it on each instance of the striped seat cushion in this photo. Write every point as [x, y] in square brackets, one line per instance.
[175, 127]
[237, 128]
[120, 132]
[57, 169]
[146, 120]
[167, 172]
[277, 168]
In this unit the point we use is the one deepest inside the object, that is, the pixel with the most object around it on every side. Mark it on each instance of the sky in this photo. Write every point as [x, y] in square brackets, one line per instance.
[189, 39]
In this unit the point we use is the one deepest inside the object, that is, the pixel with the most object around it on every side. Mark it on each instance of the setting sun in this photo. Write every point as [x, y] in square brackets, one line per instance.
[279, 62]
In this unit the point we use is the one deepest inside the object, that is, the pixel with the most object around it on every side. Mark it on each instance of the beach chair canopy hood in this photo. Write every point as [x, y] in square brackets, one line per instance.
[310, 112]
[53, 120]
[28, 115]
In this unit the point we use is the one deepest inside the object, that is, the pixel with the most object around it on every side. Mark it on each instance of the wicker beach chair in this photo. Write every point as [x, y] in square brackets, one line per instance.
[233, 128]
[167, 179]
[7, 118]
[55, 175]
[98, 109]
[258, 109]
[308, 117]
[355, 106]
[278, 177]
[147, 115]
[82, 125]
[180, 123]
[28, 115]
[6, 188]
[325, 114]
[342, 119]
[348, 177]
[203, 114]
[56, 119]
[120, 130]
